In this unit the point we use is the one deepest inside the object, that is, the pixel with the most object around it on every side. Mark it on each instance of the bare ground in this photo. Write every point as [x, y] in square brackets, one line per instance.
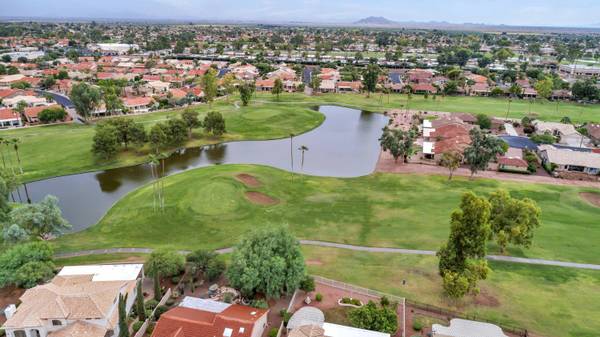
[592, 198]
[386, 164]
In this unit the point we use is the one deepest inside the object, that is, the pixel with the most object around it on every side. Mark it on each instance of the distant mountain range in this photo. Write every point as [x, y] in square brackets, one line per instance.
[375, 21]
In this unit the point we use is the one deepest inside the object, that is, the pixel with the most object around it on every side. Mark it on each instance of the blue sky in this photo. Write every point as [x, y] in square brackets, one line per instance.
[512, 12]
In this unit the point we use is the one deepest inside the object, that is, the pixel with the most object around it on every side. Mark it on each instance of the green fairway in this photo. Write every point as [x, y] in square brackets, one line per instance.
[552, 301]
[207, 208]
[49, 151]
[544, 110]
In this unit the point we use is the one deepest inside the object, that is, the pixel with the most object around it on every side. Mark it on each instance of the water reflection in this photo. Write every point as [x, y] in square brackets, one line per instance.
[345, 145]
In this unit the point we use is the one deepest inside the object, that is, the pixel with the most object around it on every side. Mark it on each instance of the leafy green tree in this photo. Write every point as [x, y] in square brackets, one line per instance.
[374, 318]
[315, 83]
[483, 149]
[52, 115]
[214, 123]
[398, 142]
[113, 103]
[158, 136]
[176, 131]
[228, 84]
[209, 85]
[463, 256]
[106, 141]
[190, 117]
[32, 273]
[544, 87]
[451, 161]
[513, 220]
[127, 131]
[370, 78]
[585, 90]
[267, 261]
[16, 257]
[85, 98]
[246, 91]
[165, 262]
[13, 233]
[214, 269]
[139, 303]
[42, 220]
[277, 87]
[48, 82]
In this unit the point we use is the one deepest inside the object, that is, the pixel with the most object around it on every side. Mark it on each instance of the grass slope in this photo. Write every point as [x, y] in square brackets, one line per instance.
[552, 301]
[207, 208]
[66, 149]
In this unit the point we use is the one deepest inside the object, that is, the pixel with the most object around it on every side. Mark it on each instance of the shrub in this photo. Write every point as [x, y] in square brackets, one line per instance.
[307, 284]
[273, 332]
[175, 279]
[417, 324]
[165, 262]
[228, 297]
[136, 326]
[259, 304]
[215, 269]
[150, 304]
[353, 301]
[384, 301]
[319, 297]
[161, 309]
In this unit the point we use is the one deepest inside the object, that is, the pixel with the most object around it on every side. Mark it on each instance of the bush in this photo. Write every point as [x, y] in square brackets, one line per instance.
[384, 301]
[165, 262]
[215, 269]
[137, 325]
[273, 332]
[353, 301]
[259, 304]
[319, 297]
[150, 304]
[307, 284]
[175, 279]
[417, 324]
[161, 309]
[228, 297]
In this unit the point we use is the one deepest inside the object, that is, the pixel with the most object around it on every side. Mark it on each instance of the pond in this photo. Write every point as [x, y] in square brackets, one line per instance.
[345, 145]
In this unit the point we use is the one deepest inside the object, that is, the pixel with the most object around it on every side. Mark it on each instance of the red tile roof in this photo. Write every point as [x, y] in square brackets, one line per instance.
[187, 322]
[35, 111]
[450, 131]
[137, 101]
[8, 114]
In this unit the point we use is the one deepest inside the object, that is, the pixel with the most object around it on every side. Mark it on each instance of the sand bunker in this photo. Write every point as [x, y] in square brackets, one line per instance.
[260, 198]
[248, 180]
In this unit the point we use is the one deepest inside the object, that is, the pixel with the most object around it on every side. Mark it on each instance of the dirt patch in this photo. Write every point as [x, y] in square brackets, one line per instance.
[248, 180]
[314, 262]
[592, 198]
[486, 299]
[261, 199]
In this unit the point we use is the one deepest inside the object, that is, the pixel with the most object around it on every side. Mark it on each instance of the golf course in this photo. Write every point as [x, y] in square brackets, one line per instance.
[212, 207]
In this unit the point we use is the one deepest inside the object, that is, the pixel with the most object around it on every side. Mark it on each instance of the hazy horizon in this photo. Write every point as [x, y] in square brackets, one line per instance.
[553, 13]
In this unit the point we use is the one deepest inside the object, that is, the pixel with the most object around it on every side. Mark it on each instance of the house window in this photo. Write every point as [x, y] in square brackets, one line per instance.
[35, 333]
[20, 333]
[56, 322]
[227, 332]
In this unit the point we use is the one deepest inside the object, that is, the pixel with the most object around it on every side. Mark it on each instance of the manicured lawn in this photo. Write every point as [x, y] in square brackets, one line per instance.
[544, 110]
[101, 259]
[66, 149]
[207, 208]
[552, 301]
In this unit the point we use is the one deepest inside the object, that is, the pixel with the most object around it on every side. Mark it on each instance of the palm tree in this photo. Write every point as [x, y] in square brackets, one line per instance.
[154, 161]
[302, 149]
[15, 142]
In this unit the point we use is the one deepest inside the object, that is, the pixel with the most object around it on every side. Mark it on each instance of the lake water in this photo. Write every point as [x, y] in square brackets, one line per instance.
[345, 145]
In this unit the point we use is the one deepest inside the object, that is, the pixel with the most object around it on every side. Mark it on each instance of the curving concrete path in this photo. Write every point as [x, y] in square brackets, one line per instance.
[348, 247]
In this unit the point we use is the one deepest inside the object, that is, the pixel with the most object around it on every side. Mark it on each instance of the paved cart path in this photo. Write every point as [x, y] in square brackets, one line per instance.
[348, 247]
